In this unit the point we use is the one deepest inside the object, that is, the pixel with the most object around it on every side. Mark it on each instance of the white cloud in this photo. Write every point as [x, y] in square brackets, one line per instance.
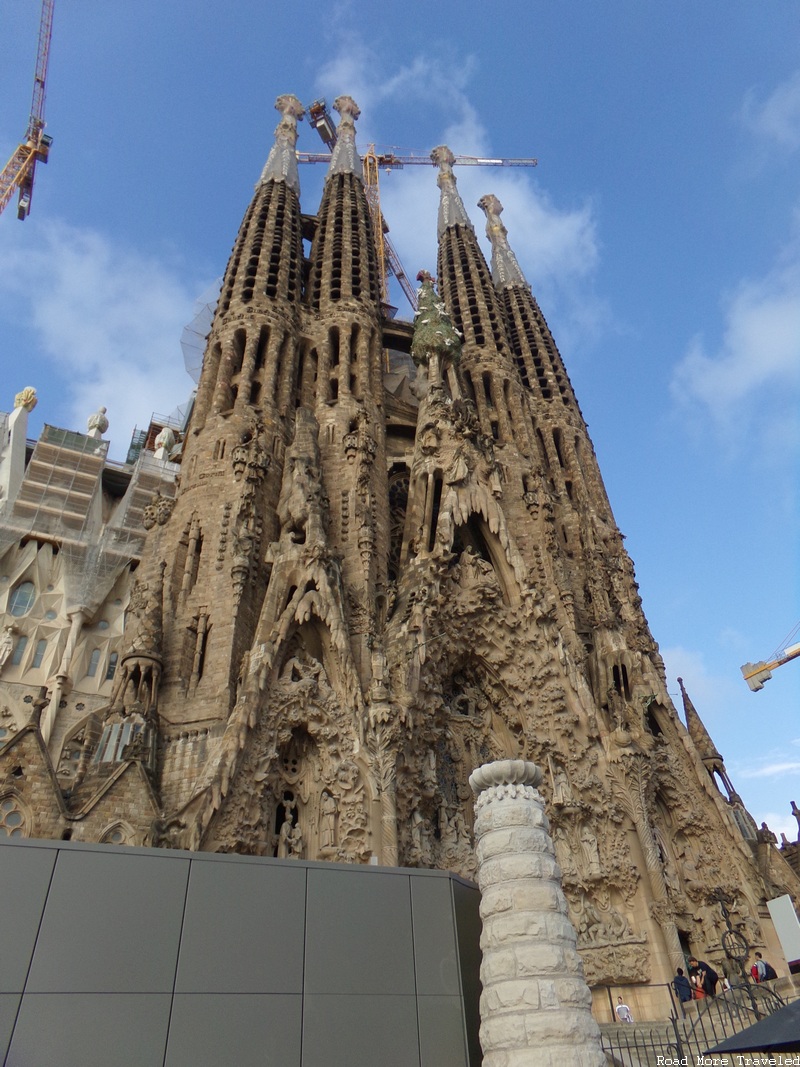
[106, 318]
[754, 370]
[773, 769]
[777, 118]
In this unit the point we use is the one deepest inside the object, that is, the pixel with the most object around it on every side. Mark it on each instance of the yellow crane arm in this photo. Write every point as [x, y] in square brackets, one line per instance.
[19, 171]
[17, 174]
[755, 674]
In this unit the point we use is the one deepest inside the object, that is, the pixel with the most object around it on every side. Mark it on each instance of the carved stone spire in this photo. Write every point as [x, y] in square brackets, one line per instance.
[505, 268]
[345, 158]
[344, 262]
[533, 347]
[451, 207]
[706, 749]
[281, 165]
[137, 680]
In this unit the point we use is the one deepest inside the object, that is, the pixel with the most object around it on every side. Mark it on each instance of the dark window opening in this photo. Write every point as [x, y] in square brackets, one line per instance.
[557, 446]
[652, 723]
[620, 677]
[471, 536]
[398, 503]
[437, 501]
[261, 351]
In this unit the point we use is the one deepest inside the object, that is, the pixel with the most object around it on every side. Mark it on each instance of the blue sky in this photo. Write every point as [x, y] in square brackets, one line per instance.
[660, 233]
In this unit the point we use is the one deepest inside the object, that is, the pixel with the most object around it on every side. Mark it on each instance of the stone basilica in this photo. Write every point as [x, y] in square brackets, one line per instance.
[374, 558]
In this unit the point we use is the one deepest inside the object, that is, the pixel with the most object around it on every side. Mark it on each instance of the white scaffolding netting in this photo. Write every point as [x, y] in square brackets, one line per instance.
[61, 499]
[195, 333]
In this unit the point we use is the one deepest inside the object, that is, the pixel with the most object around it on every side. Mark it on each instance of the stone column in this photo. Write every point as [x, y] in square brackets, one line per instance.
[535, 1004]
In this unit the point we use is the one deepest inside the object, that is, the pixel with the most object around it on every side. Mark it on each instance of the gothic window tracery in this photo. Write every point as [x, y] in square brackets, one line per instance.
[14, 821]
[117, 834]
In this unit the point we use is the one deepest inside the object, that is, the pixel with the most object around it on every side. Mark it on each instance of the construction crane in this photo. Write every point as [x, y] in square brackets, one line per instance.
[755, 674]
[19, 172]
[388, 259]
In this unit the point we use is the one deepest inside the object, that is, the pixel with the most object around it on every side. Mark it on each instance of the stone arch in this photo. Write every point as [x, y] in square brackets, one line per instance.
[118, 833]
[308, 649]
[474, 538]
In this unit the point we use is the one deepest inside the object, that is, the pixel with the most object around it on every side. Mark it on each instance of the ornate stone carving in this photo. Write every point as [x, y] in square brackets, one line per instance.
[7, 642]
[26, 399]
[158, 511]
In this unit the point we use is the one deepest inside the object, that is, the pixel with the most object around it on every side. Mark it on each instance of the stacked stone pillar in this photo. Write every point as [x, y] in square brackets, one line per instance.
[535, 1004]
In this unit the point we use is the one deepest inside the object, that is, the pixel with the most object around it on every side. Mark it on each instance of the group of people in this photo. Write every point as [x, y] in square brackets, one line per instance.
[702, 979]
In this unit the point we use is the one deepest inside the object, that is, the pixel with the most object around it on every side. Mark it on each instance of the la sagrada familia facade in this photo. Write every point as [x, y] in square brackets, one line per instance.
[387, 557]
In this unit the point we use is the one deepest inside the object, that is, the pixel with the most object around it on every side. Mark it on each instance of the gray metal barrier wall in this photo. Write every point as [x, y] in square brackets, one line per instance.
[114, 957]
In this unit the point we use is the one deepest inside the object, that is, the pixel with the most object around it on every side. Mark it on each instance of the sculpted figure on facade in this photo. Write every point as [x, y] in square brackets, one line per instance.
[300, 502]
[7, 642]
[591, 851]
[165, 442]
[97, 424]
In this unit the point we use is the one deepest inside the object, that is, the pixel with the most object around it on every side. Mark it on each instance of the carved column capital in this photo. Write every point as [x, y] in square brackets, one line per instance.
[507, 772]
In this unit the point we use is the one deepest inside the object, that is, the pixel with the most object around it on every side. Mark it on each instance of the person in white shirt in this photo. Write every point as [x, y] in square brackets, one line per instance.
[623, 1011]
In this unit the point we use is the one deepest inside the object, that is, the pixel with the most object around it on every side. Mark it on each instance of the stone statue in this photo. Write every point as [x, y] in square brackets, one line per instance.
[591, 851]
[766, 836]
[285, 837]
[327, 822]
[6, 644]
[296, 843]
[562, 791]
[164, 442]
[97, 424]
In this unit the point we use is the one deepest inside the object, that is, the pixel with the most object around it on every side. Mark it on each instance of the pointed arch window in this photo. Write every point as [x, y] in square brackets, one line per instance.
[19, 651]
[111, 670]
[118, 834]
[94, 661]
[38, 655]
